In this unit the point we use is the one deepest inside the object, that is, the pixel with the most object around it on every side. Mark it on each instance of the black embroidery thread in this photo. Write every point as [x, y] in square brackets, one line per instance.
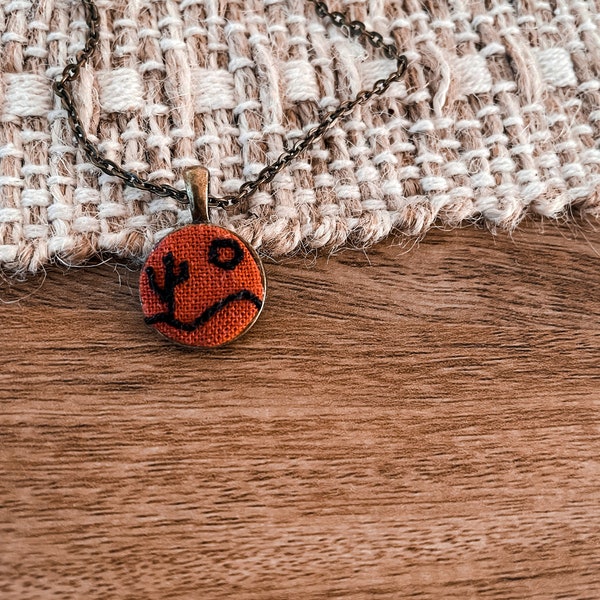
[222, 244]
[166, 293]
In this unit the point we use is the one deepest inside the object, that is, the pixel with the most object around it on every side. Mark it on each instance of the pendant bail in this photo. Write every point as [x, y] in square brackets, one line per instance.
[196, 185]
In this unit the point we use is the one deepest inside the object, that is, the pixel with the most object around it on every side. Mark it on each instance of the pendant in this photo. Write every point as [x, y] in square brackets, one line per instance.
[202, 285]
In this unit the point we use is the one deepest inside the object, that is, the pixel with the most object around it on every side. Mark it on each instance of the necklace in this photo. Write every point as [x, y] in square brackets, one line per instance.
[203, 285]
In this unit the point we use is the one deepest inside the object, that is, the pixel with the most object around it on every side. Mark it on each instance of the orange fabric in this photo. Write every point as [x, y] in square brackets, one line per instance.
[220, 267]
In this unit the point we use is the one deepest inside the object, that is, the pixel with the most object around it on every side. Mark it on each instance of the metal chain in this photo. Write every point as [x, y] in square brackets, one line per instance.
[356, 29]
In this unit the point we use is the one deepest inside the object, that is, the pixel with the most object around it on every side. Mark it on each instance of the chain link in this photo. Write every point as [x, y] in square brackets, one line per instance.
[355, 29]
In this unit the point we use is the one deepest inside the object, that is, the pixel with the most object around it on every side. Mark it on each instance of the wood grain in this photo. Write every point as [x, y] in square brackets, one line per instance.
[411, 422]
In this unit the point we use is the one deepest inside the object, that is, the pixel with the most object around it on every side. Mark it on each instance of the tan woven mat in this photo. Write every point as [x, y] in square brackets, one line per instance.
[498, 117]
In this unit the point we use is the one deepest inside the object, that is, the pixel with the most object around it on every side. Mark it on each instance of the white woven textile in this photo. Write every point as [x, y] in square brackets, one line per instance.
[498, 116]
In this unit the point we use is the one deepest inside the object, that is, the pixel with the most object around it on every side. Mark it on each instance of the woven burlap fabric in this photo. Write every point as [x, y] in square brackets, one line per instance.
[498, 117]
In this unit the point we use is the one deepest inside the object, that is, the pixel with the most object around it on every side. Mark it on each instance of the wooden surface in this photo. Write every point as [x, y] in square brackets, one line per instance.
[416, 422]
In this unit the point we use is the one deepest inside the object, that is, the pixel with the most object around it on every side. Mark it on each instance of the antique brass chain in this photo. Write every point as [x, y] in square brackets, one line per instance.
[356, 29]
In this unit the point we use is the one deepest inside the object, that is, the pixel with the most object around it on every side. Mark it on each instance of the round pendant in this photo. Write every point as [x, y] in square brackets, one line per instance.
[202, 286]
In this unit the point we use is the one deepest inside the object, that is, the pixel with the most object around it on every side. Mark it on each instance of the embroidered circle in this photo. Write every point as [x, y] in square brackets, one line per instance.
[217, 257]
[202, 286]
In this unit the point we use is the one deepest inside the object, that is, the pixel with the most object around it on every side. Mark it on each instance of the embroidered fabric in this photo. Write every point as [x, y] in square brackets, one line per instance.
[497, 117]
[201, 287]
